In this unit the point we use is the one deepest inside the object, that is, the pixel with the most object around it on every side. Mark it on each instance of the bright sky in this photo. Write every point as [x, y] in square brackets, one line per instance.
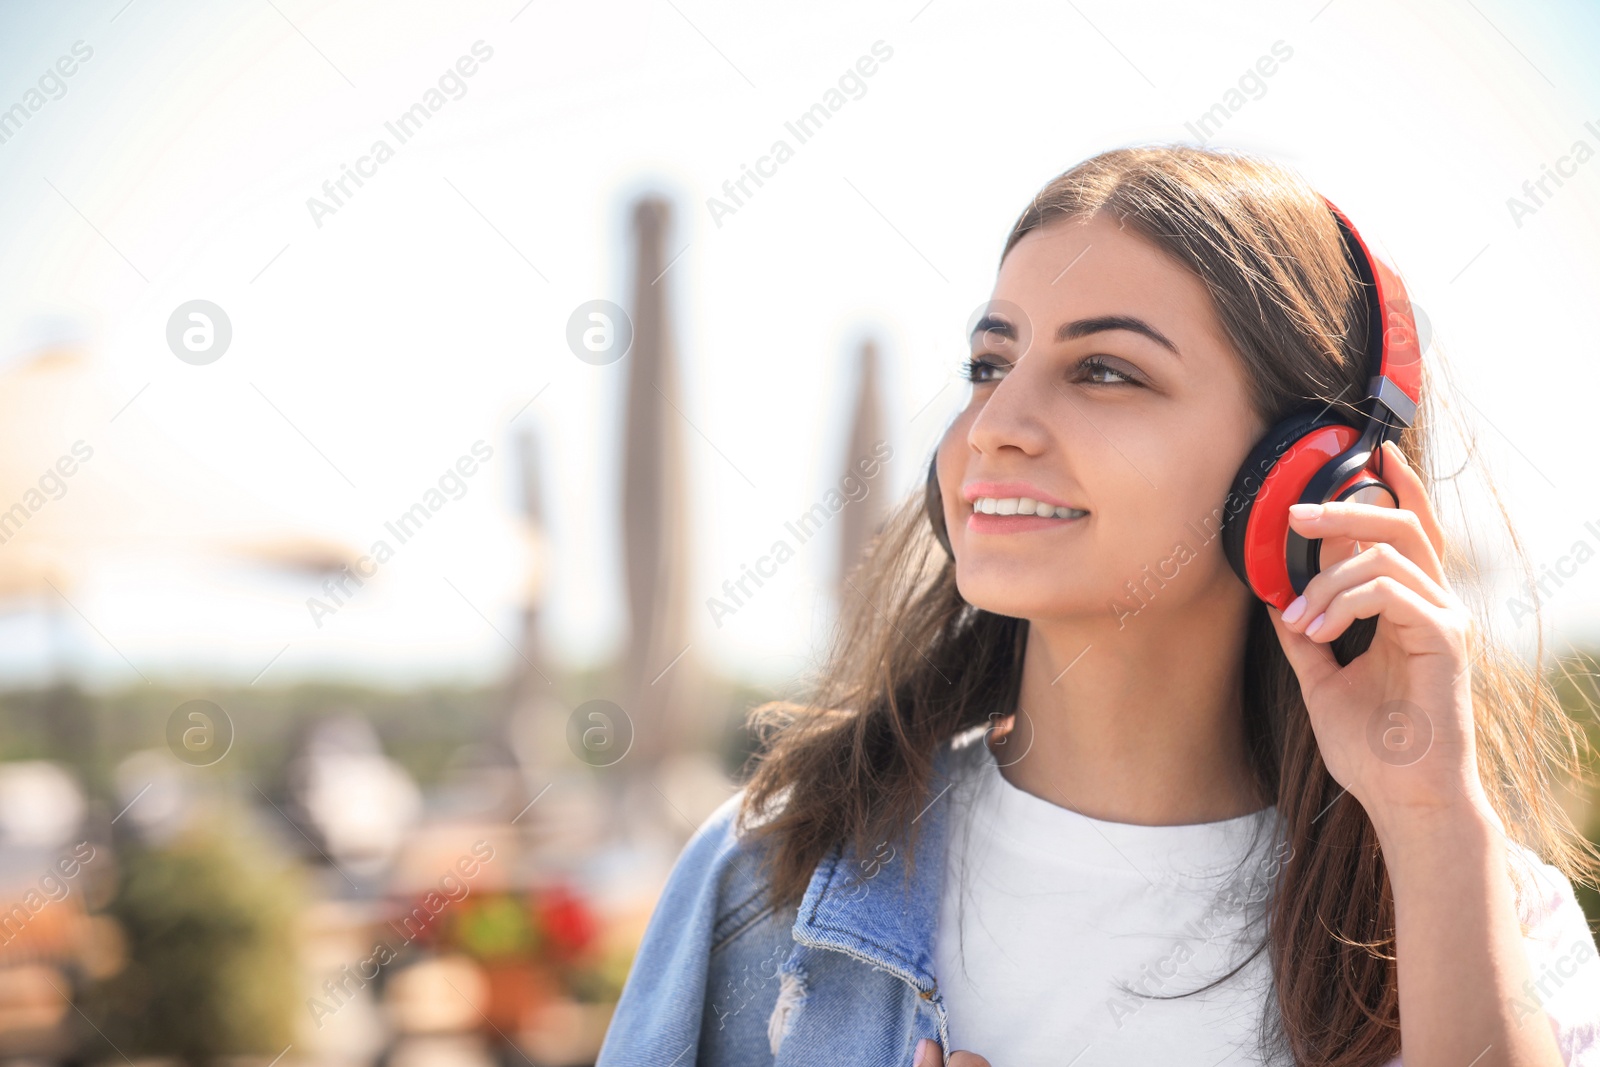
[428, 311]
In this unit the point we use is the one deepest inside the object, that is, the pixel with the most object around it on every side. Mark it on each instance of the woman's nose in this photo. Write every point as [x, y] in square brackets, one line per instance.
[1014, 414]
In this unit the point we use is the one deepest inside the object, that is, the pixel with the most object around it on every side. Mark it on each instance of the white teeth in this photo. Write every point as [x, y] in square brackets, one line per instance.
[989, 505]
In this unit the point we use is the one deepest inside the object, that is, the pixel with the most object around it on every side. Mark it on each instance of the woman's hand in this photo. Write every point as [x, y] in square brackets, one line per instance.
[1395, 728]
[928, 1056]
[1395, 725]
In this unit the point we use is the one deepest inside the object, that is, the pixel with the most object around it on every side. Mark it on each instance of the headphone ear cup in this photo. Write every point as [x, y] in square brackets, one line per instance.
[933, 504]
[1260, 466]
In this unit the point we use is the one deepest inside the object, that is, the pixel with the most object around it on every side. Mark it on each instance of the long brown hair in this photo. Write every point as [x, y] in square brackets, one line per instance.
[912, 664]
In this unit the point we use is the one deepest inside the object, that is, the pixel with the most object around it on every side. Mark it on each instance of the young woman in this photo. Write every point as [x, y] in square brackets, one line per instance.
[1069, 790]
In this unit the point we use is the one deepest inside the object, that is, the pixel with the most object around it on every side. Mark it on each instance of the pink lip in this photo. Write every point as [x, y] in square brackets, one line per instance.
[978, 522]
[1001, 490]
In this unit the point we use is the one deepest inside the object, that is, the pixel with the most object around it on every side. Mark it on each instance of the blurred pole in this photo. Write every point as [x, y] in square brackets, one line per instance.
[531, 706]
[862, 519]
[660, 679]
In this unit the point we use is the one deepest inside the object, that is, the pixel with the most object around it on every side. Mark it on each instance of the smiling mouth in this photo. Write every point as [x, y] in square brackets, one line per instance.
[1023, 506]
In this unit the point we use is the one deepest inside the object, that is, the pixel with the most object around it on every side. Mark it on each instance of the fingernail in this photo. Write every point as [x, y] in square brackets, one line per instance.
[1316, 624]
[1305, 511]
[923, 1059]
[1296, 608]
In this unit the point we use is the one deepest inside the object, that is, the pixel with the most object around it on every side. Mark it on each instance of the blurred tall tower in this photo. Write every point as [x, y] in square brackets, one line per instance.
[862, 519]
[661, 679]
[531, 708]
[530, 508]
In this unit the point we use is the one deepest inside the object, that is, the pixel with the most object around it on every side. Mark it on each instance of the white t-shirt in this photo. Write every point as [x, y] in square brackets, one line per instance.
[1046, 912]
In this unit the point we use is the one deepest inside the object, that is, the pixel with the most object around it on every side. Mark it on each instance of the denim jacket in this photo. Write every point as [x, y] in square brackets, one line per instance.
[723, 978]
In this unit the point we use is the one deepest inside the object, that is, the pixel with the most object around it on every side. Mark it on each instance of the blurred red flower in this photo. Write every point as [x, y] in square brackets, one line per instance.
[567, 922]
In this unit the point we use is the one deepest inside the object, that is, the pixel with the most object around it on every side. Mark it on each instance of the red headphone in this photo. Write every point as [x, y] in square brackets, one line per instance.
[1314, 455]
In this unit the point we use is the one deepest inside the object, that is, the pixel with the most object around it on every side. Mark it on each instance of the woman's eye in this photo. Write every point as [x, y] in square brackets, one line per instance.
[981, 369]
[1094, 366]
[985, 370]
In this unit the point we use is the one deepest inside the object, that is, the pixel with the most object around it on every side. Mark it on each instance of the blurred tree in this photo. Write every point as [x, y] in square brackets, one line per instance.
[211, 968]
[1577, 684]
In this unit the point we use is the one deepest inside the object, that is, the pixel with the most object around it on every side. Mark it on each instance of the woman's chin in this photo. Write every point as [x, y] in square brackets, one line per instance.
[1024, 600]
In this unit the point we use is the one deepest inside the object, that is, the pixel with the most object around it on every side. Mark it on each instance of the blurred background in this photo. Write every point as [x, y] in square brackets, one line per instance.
[427, 429]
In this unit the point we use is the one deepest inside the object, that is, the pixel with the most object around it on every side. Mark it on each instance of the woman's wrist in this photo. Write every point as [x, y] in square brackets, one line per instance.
[1425, 844]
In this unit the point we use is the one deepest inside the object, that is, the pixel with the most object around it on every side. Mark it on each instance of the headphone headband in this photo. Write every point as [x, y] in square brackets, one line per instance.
[1394, 354]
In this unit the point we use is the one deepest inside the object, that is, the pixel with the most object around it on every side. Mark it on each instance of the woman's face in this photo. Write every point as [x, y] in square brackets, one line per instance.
[1114, 392]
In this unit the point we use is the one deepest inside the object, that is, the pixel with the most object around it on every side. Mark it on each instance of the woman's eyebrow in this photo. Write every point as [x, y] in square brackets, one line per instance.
[1070, 331]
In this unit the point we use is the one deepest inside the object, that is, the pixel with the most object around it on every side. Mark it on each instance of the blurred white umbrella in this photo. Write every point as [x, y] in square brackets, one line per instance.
[83, 482]
[41, 804]
[92, 492]
[361, 802]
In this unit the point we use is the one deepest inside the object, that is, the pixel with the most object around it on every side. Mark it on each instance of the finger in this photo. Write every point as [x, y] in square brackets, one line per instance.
[966, 1059]
[928, 1056]
[1419, 626]
[1373, 561]
[1369, 523]
[1413, 496]
[1312, 663]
